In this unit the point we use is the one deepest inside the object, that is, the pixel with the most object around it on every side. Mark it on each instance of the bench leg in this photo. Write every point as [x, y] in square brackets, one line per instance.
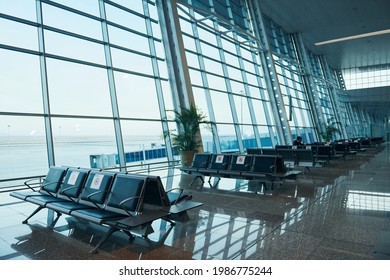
[129, 234]
[32, 214]
[54, 222]
[180, 217]
[193, 181]
[105, 237]
[171, 223]
[216, 184]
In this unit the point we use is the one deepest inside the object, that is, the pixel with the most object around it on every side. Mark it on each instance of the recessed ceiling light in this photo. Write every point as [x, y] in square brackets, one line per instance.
[381, 32]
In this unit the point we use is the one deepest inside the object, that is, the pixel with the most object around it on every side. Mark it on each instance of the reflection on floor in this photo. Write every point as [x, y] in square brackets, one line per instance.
[339, 211]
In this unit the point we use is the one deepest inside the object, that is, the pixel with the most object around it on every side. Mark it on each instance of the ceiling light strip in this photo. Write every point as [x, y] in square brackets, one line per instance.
[376, 33]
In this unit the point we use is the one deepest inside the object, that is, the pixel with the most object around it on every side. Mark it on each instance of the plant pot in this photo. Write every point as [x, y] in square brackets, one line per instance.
[186, 157]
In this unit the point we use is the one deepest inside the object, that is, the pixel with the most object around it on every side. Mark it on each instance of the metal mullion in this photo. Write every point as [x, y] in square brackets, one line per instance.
[300, 109]
[22, 50]
[45, 86]
[333, 97]
[219, 19]
[71, 34]
[19, 20]
[283, 75]
[311, 93]
[159, 90]
[111, 83]
[264, 99]
[238, 128]
[206, 88]
[69, 9]
[123, 8]
[229, 93]
[135, 52]
[282, 126]
[130, 30]
[248, 98]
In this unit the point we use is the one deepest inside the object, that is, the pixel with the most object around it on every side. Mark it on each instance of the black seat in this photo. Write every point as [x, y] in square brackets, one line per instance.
[289, 156]
[261, 165]
[123, 199]
[268, 151]
[49, 186]
[156, 197]
[123, 208]
[199, 164]
[92, 195]
[238, 165]
[253, 151]
[69, 190]
[306, 158]
[218, 163]
[200, 161]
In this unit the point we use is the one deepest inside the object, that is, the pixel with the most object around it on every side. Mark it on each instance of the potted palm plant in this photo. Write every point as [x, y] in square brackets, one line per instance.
[330, 130]
[187, 137]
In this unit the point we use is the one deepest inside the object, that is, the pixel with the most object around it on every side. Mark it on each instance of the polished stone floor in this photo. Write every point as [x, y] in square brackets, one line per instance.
[339, 211]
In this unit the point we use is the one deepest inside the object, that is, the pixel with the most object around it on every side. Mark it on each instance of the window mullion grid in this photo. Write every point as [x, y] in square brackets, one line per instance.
[45, 87]
[157, 80]
[111, 83]
[202, 68]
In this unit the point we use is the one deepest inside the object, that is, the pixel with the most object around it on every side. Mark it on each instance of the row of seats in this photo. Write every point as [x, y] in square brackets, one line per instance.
[311, 156]
[119, 201]
[266, 168]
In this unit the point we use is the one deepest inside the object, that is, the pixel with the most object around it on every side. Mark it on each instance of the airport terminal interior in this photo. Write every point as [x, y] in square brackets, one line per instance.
[100, 88]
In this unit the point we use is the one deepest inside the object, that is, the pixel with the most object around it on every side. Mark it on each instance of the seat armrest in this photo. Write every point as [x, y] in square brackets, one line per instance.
[27, 183]
[48, 184]
[92, 194]
[122, 204]
[180, 192]
[67, 189]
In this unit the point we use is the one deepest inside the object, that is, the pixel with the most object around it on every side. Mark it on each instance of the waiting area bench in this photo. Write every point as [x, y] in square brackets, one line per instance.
[296, 157]
[264, 168]
[117, 200]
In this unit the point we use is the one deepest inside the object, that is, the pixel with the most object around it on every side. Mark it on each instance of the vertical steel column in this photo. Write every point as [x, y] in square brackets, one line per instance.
[350, 115]
[44, 85]
[179, 75]
[111, 82]
[298, 100]
[157, 80]
[333, 97]
[277, 104]
[312, 95]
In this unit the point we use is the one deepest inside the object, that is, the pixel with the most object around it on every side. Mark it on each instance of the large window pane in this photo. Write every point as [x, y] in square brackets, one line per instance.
[128, 39]
[18, 35]
[20, 85]
[131, 62]
[221, 107]
[77, 89]
[19, 8]
[22, 147]
[125, 18]
[72, 22]
[87, 6]
[137, 96]
[72, 47]
[227, 137]
[76, 140]
[143, 141]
